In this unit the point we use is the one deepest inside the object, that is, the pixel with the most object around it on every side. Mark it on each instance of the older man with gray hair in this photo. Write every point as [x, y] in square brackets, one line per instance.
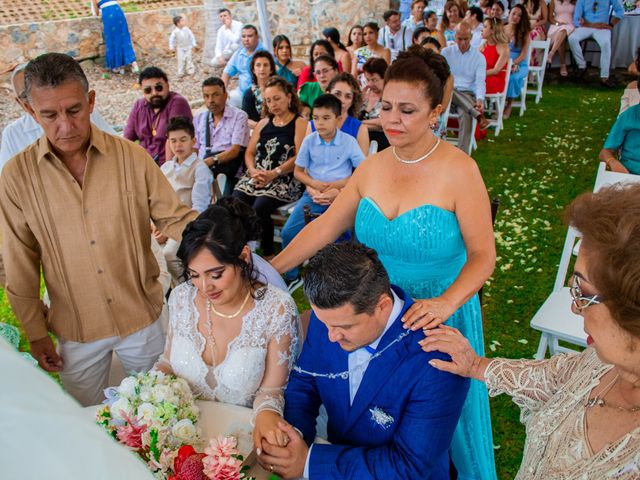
[77, 206]
[22, 132]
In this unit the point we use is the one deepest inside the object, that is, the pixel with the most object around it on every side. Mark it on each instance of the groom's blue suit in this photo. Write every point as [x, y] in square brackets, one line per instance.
[402, 418]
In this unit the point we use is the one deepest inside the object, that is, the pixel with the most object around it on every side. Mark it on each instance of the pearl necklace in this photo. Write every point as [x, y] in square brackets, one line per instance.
[600, 401]
[233, 315]
[426, 155]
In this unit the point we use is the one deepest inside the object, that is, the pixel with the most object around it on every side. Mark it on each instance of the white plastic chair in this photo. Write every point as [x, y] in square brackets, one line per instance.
[536, 72]
[522, 103]
[495, 102]
[456, 130]
[555, 319]
[218, 186]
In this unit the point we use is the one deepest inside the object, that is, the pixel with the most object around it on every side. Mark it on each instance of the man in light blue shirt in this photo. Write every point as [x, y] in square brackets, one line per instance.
[469, 69]
[324, 164]
[240, 64]
[591, 17]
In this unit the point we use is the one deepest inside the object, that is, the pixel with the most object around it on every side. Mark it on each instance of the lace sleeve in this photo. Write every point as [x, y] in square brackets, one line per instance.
[282, 350]
[530, 383]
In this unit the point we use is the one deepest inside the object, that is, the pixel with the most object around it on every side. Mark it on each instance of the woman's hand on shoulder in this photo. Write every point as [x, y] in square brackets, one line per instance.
[428, 313]
[266, 427]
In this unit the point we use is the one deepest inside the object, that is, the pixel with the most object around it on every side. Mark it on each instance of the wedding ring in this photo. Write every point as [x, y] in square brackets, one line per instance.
[271, 468]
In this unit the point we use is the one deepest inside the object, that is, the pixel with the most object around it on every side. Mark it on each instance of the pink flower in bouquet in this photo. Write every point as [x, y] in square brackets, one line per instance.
[131, 433]
[221, 462]
[222, 447]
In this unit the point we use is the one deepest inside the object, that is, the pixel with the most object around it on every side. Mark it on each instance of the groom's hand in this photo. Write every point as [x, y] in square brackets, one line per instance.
[289, 461]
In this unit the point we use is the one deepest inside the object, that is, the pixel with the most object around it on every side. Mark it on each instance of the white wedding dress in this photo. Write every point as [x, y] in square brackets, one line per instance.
[269, 334]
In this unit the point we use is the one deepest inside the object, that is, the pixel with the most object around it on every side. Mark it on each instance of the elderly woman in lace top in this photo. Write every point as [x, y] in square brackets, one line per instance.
[232, 336]
[581, 410]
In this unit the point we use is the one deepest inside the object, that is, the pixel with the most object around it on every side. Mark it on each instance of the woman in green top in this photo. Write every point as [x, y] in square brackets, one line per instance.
[621, 150]
[326, 68]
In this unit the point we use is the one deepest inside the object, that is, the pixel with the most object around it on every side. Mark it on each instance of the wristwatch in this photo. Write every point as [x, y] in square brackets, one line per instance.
[216, 161]
[279, 171]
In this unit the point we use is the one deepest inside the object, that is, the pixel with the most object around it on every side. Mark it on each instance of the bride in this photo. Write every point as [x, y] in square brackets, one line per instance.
[231, 337]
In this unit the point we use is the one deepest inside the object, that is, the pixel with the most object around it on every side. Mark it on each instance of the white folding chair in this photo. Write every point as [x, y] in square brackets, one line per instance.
[522, 103]
[373, 147]
[536, 72]
[555, 319]
[456, 130]
[218, 187]
[495, 102]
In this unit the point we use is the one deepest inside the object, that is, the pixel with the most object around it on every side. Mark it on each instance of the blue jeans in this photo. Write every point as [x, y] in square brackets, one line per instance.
[295, 223]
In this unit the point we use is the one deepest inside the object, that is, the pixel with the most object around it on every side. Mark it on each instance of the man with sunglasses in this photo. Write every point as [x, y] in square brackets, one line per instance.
[592, 19]
[150, 115]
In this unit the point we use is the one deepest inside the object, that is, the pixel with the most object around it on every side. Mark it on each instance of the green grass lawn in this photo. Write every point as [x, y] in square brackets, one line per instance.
[537, 165]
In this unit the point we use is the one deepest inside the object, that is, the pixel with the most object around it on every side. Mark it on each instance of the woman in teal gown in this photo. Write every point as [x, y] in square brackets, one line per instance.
[423, 206]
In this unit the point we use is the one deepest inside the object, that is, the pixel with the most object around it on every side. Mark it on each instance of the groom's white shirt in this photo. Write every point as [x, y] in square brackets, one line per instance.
[359, 361]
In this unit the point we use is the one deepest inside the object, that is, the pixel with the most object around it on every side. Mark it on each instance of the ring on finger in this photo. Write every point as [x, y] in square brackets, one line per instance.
[271, 468]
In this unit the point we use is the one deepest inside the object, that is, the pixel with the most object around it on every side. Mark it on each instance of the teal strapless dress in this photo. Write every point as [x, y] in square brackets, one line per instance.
[423, 252]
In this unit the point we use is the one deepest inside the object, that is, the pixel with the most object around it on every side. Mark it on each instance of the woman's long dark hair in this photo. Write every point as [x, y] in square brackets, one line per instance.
[333, 34]
[322, 43]
[523, 28]
[224, 230]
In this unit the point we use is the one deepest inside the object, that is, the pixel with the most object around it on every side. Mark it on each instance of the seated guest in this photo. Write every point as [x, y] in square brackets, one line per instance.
[342, 55]
[621, 150]
[233, 338]
[262, 67]
[561, 26]
[474, 17]
[24, 131]
[239, 64]
[420, 34]
[286, 66]
[222, 132]
[518, 30]
[469, 70]
[326, 68]
[631, 95]
[371, 48]
[393, 35]
[319, 48]
[390, 413]
[325, 162]
[355, 40]
[451, 17]
[431, 43]
[580, 409]
[227, 38]
[150, 115]
[346, 89]
[592, 19]
[268, 182]
[538, 18]
[373, 71]
[495, 50]
[190, 179]
[485, 6]
[498, 10]
[431, 22]
[416, 19]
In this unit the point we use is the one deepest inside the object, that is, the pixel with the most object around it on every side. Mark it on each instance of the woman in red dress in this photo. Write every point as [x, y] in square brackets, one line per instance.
[495, 49]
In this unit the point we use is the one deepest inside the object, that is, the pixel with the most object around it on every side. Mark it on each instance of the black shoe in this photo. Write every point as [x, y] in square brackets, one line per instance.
[580, 73]
[608, 82]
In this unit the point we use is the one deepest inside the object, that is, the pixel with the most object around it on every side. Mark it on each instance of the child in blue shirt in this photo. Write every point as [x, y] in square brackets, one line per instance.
[324, 164]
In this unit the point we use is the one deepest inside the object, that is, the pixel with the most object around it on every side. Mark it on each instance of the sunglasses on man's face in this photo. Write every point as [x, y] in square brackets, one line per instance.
[158, 87]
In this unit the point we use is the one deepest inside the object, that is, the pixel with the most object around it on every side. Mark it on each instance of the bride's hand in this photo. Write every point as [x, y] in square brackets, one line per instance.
[267, 428]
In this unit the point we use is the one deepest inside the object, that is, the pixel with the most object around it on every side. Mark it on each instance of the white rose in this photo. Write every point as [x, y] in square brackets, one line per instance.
[161, 393]
[128, 387]
[184, 430]
[145, 412]
[120, 407]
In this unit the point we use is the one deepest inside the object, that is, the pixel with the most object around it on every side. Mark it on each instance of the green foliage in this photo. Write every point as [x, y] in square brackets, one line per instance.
[537, 165]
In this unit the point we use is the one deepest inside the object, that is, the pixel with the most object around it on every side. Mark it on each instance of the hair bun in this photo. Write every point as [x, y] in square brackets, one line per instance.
[245, 214]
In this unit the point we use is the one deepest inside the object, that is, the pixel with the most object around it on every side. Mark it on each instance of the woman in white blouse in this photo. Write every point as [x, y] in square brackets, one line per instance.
[581, 410]
[231, 336]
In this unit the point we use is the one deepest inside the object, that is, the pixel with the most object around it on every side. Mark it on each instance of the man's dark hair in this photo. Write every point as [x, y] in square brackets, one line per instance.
[214, 82]
[375, 65]
[419, 31]
[176, 19]
[152, 72]
[388, 14]
[500, 4]
[326, 100]
[346, 273]
[248, 26]
[181, 123]
[222, 10]
[476, 12]
[432, 41]
[51, 70]
[427, 13]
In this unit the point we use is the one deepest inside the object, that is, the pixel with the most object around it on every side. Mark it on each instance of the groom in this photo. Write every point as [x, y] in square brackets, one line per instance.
[391, 415]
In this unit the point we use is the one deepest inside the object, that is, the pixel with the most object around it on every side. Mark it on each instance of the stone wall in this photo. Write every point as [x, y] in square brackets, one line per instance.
[301, 21]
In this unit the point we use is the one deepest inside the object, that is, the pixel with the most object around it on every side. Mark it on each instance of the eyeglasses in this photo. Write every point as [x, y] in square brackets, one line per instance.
[158, 87]
[324, 71]
[579, 300]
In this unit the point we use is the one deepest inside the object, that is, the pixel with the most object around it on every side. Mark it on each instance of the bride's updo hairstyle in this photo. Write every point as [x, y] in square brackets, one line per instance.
[423, 68]
[223, 229]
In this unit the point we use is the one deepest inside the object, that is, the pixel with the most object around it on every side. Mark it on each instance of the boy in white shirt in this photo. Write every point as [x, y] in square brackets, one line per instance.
[190, 178]
[183, 42]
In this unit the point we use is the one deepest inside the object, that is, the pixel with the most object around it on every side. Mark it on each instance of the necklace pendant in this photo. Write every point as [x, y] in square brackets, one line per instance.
[592, 402]
[154, 132]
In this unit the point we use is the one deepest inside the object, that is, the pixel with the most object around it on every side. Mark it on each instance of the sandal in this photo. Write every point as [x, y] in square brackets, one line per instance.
[563, 71]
